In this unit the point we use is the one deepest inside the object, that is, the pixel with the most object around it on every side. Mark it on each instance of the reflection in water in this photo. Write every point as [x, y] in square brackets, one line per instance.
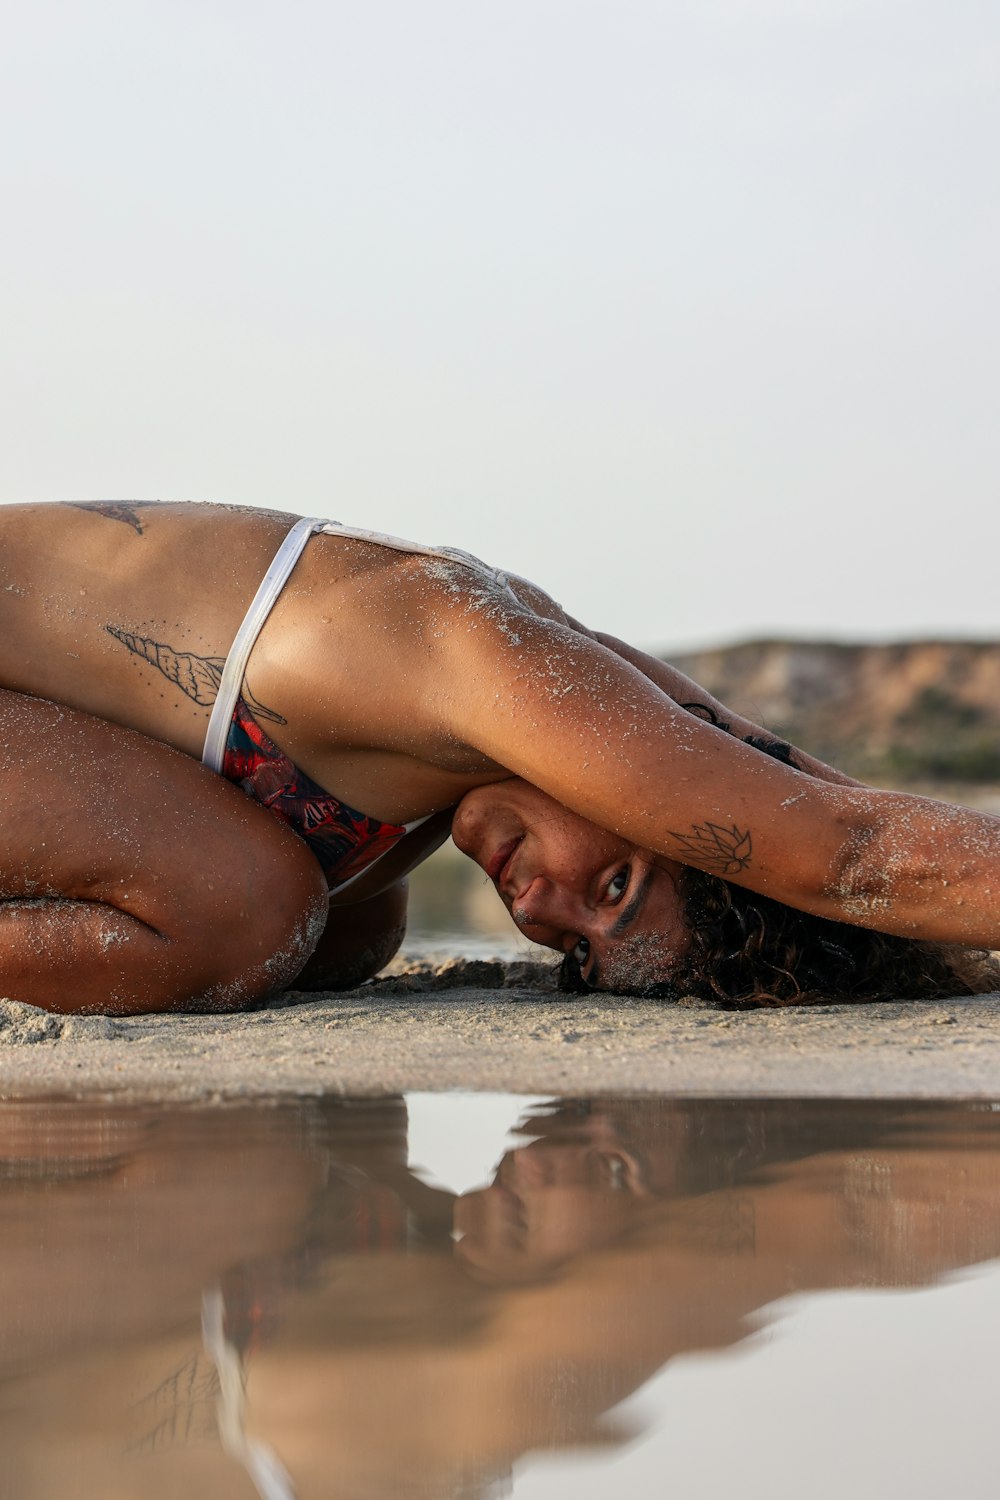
[268, 1299]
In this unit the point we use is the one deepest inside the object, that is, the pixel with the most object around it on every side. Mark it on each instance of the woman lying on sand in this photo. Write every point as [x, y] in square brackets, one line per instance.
[658, 841]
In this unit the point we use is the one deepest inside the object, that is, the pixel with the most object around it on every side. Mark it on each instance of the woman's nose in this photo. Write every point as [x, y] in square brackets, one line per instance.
[547, 905]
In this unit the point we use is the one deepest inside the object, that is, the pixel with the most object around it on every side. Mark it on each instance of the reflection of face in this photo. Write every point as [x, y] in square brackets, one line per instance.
[572, 1191]
[574, 886]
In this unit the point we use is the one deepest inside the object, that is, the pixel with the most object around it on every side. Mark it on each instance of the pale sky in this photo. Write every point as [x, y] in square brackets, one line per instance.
[686, 309]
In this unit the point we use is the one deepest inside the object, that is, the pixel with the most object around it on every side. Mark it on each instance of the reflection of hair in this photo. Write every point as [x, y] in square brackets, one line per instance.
[687, 1147]
[748, 950]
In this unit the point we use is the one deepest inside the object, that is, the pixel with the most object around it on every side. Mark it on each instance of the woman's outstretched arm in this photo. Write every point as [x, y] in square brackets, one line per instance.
[683, 689]
[575, 719]
[692, 696]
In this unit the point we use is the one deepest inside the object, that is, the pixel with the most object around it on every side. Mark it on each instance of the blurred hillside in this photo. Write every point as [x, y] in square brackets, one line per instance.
[918, 713]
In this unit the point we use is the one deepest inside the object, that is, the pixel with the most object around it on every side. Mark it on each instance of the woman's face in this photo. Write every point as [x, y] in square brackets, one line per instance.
[575, 887]
[574, 1188]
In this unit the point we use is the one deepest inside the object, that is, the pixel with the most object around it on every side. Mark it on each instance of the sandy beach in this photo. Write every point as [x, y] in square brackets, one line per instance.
[480, 1025]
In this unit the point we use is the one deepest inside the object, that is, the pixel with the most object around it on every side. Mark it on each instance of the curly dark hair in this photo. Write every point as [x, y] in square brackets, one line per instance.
[749, 951]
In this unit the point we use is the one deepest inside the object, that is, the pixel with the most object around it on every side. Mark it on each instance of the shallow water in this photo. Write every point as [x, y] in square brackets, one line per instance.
[464, 1296]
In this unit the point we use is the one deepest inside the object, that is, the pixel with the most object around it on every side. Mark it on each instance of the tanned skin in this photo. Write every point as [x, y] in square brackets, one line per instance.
[401, 683]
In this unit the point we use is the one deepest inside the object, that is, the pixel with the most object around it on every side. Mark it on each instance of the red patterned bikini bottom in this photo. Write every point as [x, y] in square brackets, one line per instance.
[344, 840]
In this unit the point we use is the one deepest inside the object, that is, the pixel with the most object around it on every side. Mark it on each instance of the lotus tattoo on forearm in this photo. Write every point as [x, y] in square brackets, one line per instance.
[715, 848]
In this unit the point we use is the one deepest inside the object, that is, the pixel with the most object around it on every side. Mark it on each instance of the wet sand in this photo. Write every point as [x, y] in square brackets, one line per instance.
[474, 1025]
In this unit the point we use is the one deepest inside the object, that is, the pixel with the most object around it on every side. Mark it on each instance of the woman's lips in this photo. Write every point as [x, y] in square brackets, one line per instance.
[497, 866]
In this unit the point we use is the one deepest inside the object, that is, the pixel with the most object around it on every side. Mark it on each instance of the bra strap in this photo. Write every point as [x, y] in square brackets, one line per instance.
[234, 670]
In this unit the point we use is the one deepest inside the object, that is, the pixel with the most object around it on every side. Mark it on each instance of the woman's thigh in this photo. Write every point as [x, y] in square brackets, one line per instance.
[132, 879]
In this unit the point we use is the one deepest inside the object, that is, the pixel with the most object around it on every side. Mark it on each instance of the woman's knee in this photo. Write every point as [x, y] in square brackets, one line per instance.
[158, 885]
[260, 938]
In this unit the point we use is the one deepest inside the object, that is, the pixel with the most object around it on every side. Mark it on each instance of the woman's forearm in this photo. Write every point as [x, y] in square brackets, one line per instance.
[919, 868]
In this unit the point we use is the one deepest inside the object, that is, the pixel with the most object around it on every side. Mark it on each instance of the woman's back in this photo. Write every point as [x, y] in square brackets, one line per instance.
[128, 611]
[86, 591]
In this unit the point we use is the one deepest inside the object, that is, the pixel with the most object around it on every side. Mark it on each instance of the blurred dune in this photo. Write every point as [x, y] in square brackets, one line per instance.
[915, 713]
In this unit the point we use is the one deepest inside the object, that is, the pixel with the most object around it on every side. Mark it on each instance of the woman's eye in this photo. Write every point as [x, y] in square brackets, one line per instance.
[581, 952]
[618, 884]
